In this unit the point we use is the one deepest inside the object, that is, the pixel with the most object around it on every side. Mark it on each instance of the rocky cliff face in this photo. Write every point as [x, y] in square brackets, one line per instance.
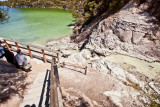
[131, 31]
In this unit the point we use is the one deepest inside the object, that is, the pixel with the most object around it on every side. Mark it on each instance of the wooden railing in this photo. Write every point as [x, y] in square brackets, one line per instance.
[32, 50]
[69, 64]
[55, 89]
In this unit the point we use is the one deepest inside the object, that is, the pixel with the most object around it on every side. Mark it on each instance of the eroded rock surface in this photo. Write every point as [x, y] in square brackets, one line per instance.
[131, 31]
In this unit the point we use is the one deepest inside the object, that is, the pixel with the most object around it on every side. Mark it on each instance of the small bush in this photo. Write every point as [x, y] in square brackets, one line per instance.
[132, 84]
[76, 14]
[154, 104]
[3, 16]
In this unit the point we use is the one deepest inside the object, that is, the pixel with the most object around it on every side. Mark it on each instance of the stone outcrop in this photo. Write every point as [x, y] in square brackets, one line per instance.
[137, 37]
[135, 87]
[134, 23]
[131, 31]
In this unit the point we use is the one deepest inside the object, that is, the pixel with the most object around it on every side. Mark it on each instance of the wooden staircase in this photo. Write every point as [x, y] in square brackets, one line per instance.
[39, 92]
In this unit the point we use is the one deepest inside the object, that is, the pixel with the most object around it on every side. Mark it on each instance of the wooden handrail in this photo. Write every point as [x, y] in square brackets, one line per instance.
[37, 47]
[55, 89]
[53, 102]
[85, 68]
[31, 48]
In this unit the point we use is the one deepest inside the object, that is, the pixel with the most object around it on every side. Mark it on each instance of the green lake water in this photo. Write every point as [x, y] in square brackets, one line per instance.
[36, 25]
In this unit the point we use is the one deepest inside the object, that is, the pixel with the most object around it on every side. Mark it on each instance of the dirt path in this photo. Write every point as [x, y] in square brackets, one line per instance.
[90, 86]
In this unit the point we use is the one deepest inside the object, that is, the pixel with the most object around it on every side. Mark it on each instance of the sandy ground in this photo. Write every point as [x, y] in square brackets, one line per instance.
[37, 66]
[92, 84]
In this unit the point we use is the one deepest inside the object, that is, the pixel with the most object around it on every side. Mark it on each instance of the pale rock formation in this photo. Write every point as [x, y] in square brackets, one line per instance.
[137, 37]
[151, 84]
[130, 32]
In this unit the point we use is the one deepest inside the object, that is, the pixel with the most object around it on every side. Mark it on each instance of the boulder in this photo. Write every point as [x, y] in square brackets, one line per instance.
[66, 53]
[137, 36]
[125, 35]
[158, 34]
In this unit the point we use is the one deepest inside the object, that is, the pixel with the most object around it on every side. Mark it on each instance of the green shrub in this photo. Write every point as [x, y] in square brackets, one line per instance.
[76, 14]
[94, 8]
[154, 104]
[3, 16]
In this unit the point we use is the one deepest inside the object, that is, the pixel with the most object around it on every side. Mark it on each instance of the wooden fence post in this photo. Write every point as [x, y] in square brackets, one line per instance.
[7, 45]
[44, 57]
[85, 70]
[58, 60]
[58, 57]
[17, 45]
[30, 53]
[63, 64]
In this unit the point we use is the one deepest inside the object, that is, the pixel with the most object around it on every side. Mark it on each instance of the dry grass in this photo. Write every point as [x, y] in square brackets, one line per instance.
[132, 84]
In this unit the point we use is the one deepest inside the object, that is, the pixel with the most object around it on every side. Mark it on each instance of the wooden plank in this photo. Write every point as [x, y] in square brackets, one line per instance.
[30, 53]
[7, 45]
[60, 102]
[44, 57]
[58, 89]
[56, 73]
[53, 101]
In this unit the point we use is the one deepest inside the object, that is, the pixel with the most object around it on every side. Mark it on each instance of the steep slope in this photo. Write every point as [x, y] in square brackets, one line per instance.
[131, 31]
